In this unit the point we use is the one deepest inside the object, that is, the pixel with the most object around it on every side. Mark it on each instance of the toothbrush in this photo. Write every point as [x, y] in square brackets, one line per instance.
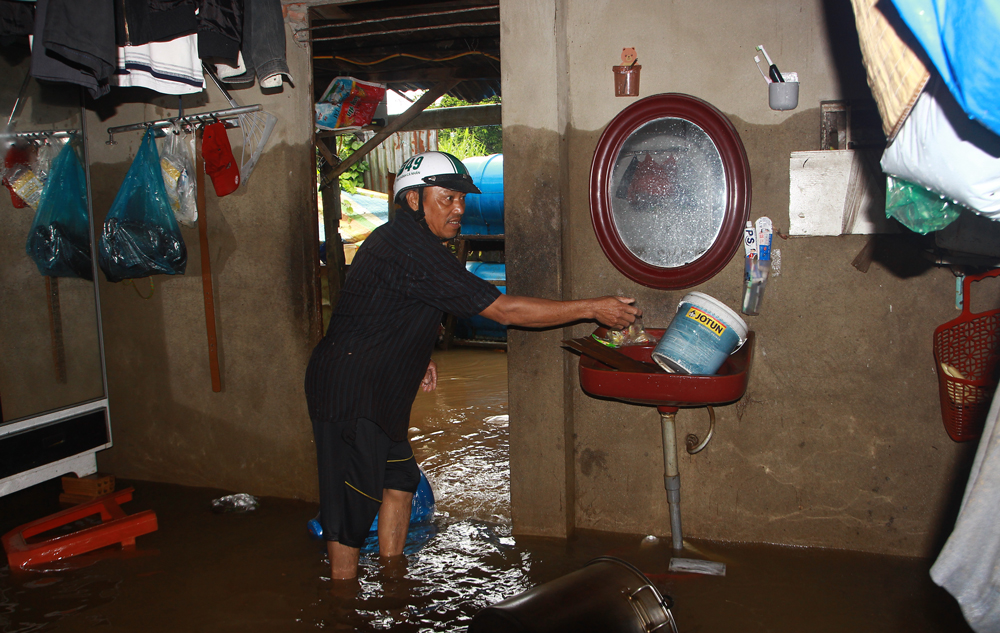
[756, 59]
[775, 75]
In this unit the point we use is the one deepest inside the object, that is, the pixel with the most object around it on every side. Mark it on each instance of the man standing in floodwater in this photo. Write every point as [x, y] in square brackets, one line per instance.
[364, 375]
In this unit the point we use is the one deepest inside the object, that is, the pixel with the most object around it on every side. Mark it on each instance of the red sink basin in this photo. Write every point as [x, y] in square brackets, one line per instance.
[668, 391]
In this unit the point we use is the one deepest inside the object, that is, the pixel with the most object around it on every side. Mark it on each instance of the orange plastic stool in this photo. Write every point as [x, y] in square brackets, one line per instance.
[116, 527]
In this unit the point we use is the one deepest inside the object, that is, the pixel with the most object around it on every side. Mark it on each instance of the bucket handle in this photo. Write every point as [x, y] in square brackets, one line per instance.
[967, 285]
[664, 601]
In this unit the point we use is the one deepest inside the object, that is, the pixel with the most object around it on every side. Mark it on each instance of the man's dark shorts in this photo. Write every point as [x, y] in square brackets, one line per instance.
[356, 461]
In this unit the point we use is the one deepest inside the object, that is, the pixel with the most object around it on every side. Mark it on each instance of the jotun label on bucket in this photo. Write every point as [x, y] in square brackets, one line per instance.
[706, 320]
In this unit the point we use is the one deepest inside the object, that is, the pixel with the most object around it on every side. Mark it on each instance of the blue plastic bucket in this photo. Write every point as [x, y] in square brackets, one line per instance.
[484, 212]
[702, 335]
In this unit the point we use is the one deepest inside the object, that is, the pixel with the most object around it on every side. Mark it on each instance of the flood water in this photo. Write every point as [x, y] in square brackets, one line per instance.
[259, 571]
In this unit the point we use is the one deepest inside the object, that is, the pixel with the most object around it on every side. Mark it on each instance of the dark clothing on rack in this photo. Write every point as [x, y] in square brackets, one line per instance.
[16, 18]
[50, 66]
[263, 43]
[220, 29]
[219, 24]
[379, 342]
[83, 33]
[140, 22]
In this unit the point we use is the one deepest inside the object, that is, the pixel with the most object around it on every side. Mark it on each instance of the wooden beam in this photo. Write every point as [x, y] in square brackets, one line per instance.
[331, 159]
[423, 75]
[411, 113]
[464, 116]
[438, 119]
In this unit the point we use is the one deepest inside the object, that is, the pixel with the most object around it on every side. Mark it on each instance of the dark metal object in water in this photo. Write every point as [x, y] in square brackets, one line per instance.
[608, 594]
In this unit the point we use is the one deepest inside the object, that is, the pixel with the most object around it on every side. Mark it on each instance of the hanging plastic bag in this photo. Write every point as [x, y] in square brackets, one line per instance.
[16, 159]
[939, 147]
[178, 176]
[918, 208]
[141, 236]
[59, 241]
[46, 155]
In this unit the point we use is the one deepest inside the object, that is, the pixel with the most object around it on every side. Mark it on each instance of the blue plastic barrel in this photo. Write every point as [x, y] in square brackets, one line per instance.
[484, 212]
[478, 327]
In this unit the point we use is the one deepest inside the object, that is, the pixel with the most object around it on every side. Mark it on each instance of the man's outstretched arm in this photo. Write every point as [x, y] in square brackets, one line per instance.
[614, 312]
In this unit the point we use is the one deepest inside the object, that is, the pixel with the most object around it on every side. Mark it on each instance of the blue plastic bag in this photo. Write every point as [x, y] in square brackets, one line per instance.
[141, 237]
[962, 39]
[59, 241]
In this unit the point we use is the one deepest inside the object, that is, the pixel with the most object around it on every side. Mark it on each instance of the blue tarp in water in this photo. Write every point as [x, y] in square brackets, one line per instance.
[962, 40]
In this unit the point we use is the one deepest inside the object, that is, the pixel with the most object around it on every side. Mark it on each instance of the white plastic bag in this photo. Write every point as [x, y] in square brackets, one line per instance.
[178, 176]
[941, 149]
[43, 159]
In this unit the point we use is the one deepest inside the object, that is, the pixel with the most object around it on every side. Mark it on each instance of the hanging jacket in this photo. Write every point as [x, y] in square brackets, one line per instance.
[220, 28]
[137, 22]
[218, 23]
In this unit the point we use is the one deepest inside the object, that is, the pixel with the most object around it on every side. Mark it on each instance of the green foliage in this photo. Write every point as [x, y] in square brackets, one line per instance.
[465, 142]
[354, 177]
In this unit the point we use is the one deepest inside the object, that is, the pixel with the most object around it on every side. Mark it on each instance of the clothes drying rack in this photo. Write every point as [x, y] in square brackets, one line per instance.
[41, 134]
[229, 116]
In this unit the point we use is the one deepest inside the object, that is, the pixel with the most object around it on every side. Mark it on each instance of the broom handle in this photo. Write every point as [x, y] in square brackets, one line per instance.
[206, 269]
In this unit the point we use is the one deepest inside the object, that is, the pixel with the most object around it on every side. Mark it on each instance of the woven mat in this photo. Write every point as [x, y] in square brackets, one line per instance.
[896, 74]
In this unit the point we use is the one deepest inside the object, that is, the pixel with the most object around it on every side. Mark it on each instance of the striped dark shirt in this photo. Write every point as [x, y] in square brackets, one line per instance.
[379, 342]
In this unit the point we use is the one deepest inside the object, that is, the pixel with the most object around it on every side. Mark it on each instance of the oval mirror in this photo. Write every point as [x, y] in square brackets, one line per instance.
[669, 191]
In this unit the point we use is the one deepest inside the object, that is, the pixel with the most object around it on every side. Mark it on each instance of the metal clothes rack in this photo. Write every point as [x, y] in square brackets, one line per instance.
[186, 120]
[42, 134]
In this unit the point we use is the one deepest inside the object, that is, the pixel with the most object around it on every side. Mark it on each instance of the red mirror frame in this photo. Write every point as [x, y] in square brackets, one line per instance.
[737, 173]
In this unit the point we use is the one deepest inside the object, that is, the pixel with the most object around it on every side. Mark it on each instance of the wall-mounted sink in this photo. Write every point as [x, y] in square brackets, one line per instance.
[667, 392]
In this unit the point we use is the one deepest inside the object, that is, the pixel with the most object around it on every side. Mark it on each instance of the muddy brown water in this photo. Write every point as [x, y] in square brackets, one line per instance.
[259, 571]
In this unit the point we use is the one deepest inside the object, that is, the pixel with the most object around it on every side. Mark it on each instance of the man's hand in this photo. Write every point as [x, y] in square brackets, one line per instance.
[616, 312]
[430, 381]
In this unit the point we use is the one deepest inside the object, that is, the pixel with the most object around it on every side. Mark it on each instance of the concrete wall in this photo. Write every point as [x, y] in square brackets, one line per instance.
[839, 440]
[168, 424]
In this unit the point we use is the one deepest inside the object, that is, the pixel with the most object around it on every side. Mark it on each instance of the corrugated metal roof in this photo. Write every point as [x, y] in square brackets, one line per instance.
[408, 45]
[388, 157]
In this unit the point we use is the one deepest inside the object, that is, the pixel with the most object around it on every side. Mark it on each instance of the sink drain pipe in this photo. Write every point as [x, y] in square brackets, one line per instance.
[671, 476]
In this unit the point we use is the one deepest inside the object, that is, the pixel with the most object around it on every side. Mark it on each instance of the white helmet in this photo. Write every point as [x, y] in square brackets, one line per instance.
[433, 169]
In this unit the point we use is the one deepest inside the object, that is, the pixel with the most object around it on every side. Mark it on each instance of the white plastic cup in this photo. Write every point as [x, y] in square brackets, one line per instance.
[783, 95]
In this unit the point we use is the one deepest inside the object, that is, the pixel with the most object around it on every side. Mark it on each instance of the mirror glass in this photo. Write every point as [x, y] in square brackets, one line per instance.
[670, 192]
[49, 340]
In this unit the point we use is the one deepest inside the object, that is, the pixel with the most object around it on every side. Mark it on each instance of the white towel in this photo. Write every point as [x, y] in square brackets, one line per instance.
[969, 565]
[172, 68]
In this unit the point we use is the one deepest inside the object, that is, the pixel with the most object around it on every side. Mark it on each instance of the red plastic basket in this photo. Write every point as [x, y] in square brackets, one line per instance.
[966, 354]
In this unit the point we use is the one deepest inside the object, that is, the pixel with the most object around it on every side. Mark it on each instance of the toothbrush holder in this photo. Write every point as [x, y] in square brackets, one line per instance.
[783, 95]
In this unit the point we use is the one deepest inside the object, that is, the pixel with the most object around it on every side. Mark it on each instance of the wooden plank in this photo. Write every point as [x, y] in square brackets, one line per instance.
[331, 159]
[611, 357]
[464, 116]
[206, 268]
[819, 186]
